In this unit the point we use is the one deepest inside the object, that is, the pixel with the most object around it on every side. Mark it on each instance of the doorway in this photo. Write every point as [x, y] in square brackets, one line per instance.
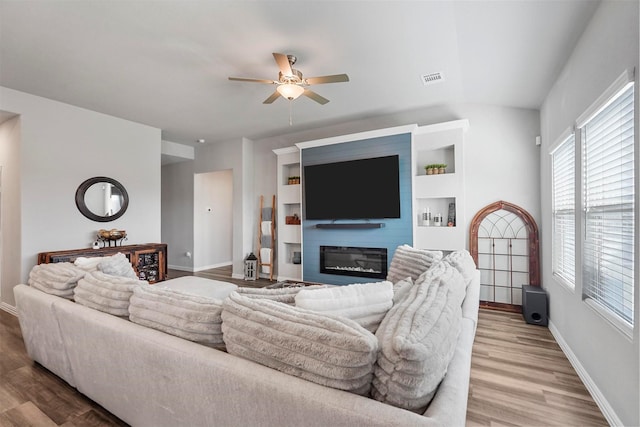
[213, 220]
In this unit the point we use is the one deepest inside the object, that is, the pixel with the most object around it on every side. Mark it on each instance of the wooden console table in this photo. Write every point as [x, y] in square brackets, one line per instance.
[148, 260]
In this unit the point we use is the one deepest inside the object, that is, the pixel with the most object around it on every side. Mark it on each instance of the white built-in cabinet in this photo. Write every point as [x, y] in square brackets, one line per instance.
[441, 143]
[288, 204]
[439, 194]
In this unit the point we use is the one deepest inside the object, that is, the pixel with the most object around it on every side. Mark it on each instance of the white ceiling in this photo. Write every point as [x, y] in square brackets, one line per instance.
[166, 63]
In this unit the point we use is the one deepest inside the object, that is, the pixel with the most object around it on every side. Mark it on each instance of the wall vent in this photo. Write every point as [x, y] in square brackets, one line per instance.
[431, 78]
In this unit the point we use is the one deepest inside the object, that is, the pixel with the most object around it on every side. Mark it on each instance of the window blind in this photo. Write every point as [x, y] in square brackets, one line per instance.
[608, 186]
[564, 213]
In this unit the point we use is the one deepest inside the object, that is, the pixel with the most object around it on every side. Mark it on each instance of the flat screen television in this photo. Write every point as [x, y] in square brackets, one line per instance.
[355, 189]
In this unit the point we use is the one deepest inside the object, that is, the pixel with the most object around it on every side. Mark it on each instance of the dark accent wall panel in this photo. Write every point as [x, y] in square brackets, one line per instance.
[395, 232]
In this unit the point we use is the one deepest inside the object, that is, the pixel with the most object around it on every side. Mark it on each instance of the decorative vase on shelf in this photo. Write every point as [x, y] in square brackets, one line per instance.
[441, 170]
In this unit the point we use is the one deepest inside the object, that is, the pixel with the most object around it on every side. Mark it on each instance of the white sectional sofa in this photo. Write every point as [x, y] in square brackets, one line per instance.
[150, 378]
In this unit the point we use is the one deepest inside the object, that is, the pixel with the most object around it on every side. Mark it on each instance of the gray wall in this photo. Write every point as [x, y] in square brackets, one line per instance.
[608, 360]
[177, 213]
[178, 221]
[10, 244]
[60, 147]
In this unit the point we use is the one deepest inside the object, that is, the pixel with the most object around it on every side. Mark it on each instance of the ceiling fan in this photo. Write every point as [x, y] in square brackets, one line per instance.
[291, 84]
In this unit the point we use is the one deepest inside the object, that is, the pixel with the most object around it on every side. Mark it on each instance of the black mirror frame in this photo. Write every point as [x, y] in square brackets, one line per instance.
[82, 207]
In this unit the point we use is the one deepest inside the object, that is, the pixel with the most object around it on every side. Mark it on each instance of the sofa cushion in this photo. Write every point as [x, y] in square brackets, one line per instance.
[411, 262]
[418, 339]
[117, 265]
[106, 293]
[199, 286]
[285, 295]
[366, 303]
[56, 278]
[192, 317]
[329, 350]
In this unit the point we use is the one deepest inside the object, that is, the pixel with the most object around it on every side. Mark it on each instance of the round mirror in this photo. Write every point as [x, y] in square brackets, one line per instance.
[102, 199]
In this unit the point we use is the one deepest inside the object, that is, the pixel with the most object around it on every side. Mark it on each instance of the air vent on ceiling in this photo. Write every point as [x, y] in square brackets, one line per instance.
[431, 78]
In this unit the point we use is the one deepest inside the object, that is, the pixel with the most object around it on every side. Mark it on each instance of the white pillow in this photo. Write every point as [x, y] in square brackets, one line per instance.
[285, 295]
[117, 265]
[366, 303]
[88, 263]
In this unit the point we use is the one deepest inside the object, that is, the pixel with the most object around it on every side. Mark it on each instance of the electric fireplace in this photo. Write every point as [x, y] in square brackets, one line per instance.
[354, 261]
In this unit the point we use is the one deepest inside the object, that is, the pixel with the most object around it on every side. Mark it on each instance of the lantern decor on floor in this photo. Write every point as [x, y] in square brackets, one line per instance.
[250, 267]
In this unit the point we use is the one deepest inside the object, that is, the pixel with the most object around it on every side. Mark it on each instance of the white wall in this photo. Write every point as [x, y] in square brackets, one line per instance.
[60, 147]
[10, 208]
[608, 360]
[213, 220]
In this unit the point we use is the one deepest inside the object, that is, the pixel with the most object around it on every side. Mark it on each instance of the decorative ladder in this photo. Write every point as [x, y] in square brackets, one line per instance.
[266, 236]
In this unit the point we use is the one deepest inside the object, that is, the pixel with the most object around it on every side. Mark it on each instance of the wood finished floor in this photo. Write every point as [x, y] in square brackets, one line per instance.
[519, 377]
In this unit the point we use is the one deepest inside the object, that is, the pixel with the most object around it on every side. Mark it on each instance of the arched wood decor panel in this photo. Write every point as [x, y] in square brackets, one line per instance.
[526, 221]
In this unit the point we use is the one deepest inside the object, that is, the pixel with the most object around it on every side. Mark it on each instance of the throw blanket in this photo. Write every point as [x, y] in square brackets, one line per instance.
[418, 339]
[329, 350]
[411, 262]
[462, 261]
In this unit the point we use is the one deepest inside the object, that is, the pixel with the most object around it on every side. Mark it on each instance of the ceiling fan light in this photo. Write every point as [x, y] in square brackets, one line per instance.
[290, 91]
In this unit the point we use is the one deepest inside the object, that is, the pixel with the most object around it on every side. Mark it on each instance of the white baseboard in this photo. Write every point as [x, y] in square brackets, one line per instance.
[194, 270]
[591, 386]
[180, 268]
[8, 308]
[208, 267]
[237, 276]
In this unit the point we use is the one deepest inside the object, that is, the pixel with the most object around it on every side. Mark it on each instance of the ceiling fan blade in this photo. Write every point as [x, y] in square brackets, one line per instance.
[275, 95]
[336, 78]
[242, 79]
[311, 94]
[283, 64]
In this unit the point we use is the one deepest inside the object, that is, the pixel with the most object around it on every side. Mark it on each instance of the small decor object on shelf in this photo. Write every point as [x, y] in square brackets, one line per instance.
[293, 180]
[297, 257]
[435, 169]
[451, 218]
[251, 267]
[292, 219]
[111, 237]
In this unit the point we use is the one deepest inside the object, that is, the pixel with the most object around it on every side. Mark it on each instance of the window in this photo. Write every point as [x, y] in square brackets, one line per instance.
[607, 140]
[564, 213]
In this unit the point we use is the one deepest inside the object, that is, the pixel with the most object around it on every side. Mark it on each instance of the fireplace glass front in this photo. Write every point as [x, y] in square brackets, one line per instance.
[354, 261]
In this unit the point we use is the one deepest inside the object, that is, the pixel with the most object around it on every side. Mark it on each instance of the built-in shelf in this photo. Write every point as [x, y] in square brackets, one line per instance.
[355, 225]
[289, 253]
[439, 194]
